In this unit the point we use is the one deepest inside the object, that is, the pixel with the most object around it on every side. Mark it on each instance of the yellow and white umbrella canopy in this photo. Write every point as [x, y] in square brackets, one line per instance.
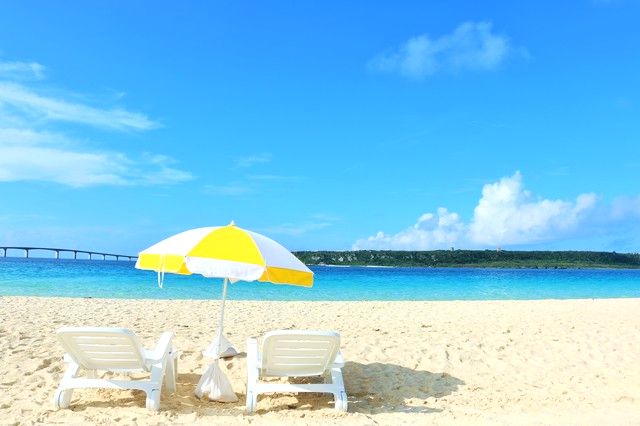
[226, 252]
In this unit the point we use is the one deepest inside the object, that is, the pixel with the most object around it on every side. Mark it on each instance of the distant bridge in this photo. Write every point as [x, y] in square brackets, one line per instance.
[57, 251]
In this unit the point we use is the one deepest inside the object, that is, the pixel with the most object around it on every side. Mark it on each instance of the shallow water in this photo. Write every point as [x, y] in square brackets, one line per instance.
[119, 279]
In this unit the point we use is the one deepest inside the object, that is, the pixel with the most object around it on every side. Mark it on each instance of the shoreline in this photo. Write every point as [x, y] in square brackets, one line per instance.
[509, 362]
[335, 265]
[215, 298]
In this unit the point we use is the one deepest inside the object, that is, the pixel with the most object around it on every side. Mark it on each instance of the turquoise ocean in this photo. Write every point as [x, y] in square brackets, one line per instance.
[119, 279]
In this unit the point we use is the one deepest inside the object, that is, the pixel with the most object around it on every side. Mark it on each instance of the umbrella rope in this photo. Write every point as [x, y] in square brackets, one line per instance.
[161, 272]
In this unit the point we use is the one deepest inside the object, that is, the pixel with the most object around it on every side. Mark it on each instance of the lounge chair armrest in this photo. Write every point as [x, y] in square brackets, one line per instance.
[162, 347]
[339, 361]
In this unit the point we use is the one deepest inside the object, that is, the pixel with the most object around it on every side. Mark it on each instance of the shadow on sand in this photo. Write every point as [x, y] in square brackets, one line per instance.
[390, 388]
[183, 401]
[371, 388]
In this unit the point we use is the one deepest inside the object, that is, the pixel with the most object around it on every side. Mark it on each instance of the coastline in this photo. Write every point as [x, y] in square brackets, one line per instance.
[512, 267]
[534, 259]
[489, 267]
[407, 362]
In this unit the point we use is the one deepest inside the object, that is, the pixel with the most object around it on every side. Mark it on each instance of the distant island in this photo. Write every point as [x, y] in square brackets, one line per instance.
[473, 258]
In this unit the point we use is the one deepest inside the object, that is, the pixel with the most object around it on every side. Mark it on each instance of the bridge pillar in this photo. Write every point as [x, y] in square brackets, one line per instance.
[26, 253]
[104, 257]
[117, 257]
[57, 254]
[4, 251]
[75, 255]
[90, 256]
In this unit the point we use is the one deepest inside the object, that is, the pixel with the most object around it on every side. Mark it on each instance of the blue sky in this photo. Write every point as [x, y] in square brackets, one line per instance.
[324, 126]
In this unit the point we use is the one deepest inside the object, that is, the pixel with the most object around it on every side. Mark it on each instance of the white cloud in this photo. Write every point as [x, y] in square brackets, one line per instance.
[155, 169]
[432, 231]
[32, 149]
[18, 70]
[27, 155]
[18, 100]
[625, 208]
[252, 160]
[506, 214]
[471, 46]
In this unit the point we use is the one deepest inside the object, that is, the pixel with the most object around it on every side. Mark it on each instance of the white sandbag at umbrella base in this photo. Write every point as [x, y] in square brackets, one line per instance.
[220, 347]
[215, 385]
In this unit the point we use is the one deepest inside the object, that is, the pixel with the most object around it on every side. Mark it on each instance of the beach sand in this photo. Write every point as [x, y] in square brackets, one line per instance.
[499, 362]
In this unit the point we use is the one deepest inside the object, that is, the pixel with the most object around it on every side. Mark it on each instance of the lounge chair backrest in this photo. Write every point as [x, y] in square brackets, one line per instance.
[103, 348]
[298, 352]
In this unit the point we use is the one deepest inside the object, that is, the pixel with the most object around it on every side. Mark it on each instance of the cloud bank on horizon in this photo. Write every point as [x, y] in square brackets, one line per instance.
[32, 149]
[506, 215]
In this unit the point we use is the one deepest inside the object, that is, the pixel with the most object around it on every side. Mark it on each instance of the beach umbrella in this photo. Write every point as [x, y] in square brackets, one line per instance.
[231, 253]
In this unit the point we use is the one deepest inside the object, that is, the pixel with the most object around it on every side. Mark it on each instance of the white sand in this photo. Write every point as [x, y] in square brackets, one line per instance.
[515, 362]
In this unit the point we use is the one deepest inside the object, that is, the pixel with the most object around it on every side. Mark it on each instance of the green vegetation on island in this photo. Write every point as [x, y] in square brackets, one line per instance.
[473, 258]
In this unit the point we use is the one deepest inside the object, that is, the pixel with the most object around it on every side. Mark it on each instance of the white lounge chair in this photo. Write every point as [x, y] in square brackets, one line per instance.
[117, 350]
[295, 353]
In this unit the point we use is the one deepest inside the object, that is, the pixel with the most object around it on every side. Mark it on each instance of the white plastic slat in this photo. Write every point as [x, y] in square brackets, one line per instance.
[103, 348]
[294, 358]
[280, 351]
[302, 344]
[109, 347]
[292, 364]
[129, 356]
[297, 360]
[289, 353]
[102, 340]
[110, 364]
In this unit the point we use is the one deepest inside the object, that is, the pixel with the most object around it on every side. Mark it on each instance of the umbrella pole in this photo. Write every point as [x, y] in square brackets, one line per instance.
[224, 297]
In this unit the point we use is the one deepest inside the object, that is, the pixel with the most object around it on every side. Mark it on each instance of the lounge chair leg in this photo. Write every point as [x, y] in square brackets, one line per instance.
[340, 401]
[340, 396]
[175, 367]
[252, 402]
[153, 400]
[62, 398]
[171, 373]
[253, 375]
[157, 376]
